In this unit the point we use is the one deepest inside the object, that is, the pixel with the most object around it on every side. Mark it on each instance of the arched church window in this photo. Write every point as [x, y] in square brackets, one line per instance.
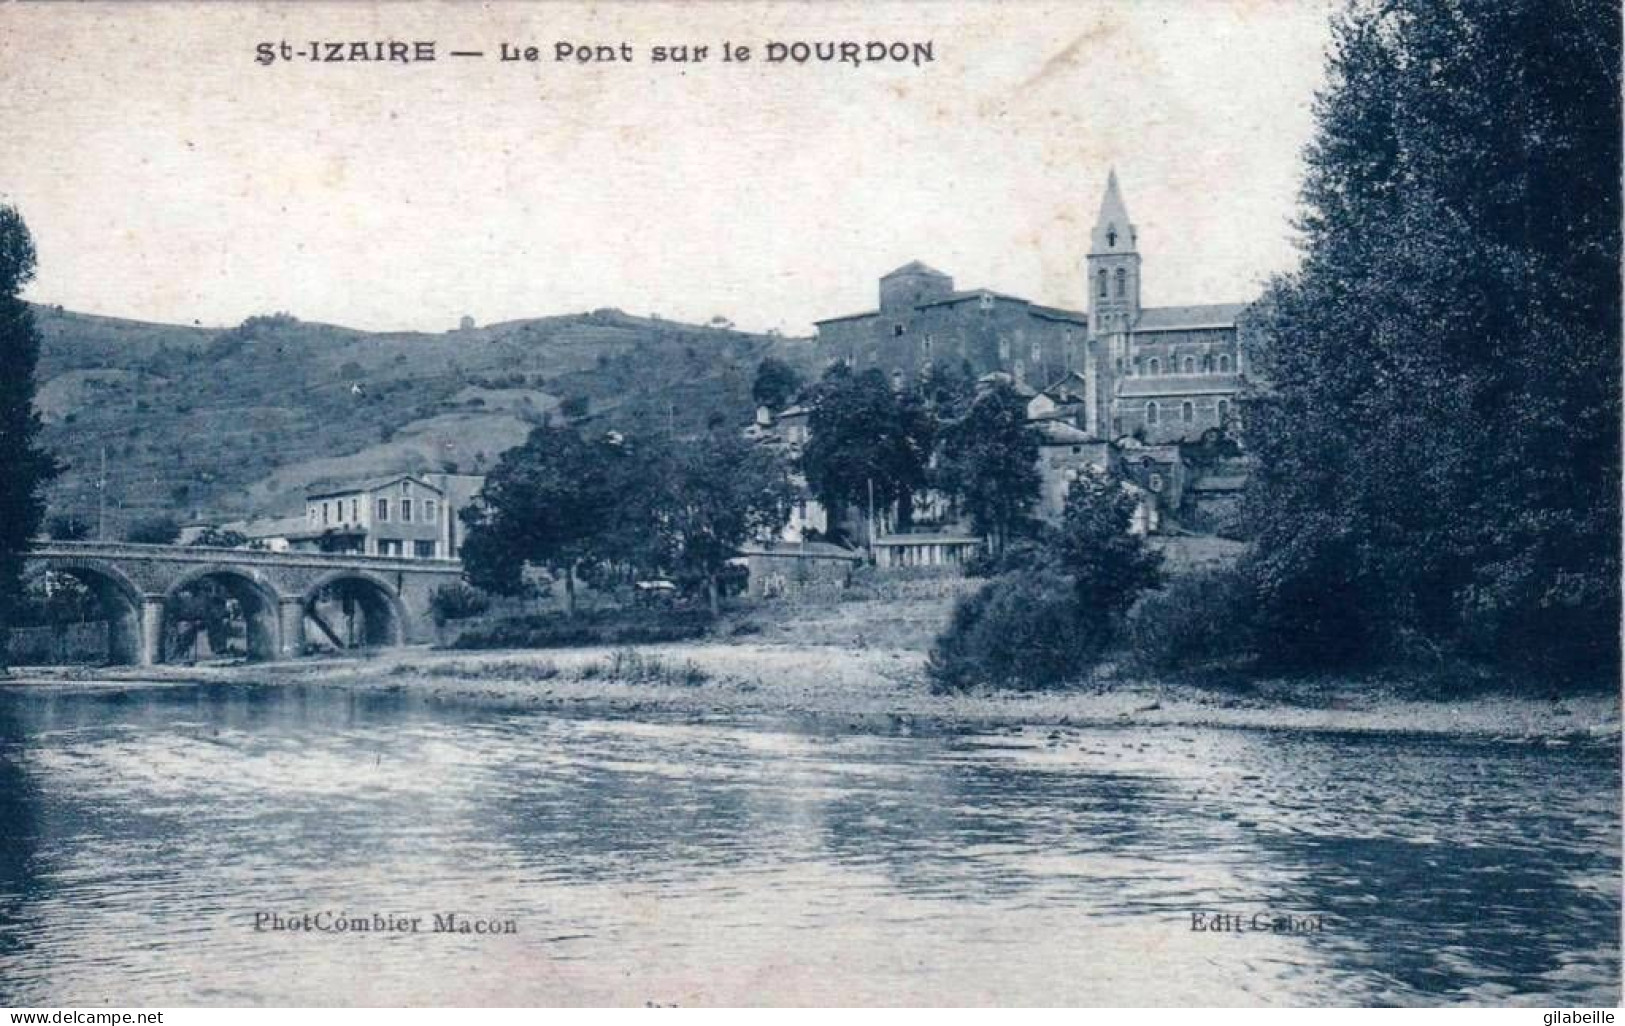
[1224, 364]
[1187, 412]
[1102, 277]
[1190, 365]
[1122, 282]
[1155, 365]
[1152, 413]
[1207, 364]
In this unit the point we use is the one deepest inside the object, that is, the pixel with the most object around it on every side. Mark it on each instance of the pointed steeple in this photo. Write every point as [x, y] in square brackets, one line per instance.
[1113, 232]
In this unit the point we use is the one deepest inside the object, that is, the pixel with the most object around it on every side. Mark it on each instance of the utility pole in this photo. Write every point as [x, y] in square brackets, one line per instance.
[871, 519]
[101, 500]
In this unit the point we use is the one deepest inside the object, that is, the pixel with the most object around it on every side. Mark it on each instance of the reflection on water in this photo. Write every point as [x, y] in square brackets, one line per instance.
[699, 863]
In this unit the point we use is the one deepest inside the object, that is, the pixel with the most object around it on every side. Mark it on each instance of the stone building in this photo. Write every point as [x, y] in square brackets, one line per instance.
[1162, 374]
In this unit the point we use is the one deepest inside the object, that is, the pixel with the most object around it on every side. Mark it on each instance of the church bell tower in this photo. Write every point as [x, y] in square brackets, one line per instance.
[1113, 266]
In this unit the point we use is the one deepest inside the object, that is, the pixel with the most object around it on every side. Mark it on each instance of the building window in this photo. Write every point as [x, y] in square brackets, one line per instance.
[925, 347]
[1004, 349]
[1102, 277]
[406, 511]
[389, 546]
[406, 487]
[324, 514]
[423, 549]
[897, 331]
[1117, 426]
[1119, 365]
[431, 510]
[1190, 365]
[1038, 354]
[1111, 237]
[1122, 283]
[1224, 364]
[986, 302]
[383, 510]
[1134, 371]
[310, 514]
[1224, 410]
[1156, 366]
[355, 511]
[1151, 412]
[1187, 412]
[1207, 364]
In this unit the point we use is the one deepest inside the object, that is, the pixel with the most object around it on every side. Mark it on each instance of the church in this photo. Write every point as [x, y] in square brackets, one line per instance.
[1161, 375]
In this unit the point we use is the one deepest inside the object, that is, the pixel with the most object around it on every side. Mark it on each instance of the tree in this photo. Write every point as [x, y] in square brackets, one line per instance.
[1438, 447]
[220, 538]
[162, 529]
[1109, 566]
[989, 462]
[776, 384]
[715, 495]
[24, 467]
[559, 501]
[66, 527]
[867, 442]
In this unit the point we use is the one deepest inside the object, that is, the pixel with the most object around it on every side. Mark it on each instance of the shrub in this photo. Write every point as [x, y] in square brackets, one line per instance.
[159, 530]
[599, 627]
[1021, 630]
[1198, 618]
[456, 601]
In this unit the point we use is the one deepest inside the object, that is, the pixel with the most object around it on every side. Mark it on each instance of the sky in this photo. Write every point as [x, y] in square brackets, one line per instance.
[168, 176]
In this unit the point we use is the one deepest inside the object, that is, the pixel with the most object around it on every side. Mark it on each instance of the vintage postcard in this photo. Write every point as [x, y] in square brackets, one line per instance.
[1092, 503]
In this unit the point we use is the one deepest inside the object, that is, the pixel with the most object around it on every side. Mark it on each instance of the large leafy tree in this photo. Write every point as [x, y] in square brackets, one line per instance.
[988, 460]
[714, 495]
[776, 383]
[1109, 565]
[24, 466]
[868, 441]
[1438, 457]
[561, 502]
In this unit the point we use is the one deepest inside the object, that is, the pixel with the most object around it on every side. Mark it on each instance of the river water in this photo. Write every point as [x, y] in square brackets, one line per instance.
[145, 832]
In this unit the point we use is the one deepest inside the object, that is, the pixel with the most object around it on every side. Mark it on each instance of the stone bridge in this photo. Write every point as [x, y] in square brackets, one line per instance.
[279, 594]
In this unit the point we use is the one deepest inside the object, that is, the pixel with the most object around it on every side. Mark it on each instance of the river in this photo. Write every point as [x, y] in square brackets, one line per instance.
[149, 834]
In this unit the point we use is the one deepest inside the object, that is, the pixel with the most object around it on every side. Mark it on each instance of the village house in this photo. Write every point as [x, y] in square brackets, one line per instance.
[409, 516]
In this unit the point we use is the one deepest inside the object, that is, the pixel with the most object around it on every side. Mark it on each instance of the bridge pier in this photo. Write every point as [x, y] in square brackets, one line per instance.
[291, 613]
[152, 630]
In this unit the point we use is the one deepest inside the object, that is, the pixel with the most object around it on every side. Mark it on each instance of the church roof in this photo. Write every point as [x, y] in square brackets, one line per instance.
[1112, 210]
[1184, 318]
[914, 267]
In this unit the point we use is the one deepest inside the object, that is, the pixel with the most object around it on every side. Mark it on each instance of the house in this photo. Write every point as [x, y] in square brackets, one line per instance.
[400, 515]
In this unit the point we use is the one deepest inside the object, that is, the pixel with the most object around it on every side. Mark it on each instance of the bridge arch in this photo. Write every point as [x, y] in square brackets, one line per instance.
[256, 599]
[119, 598]
[357, 593]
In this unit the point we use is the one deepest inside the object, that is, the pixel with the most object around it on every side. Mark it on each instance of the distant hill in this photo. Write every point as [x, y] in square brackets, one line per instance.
[240, 421]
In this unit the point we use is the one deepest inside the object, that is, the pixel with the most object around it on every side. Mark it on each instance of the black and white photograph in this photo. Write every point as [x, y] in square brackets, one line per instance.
[1053, 503]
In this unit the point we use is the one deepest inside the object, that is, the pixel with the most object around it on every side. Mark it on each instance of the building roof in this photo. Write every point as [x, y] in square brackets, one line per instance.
[369, 484]
[1113, 214]
[913, 267]
[849, 317]
[894, 540]
[1059, 432]
[1186, 318]
[1158, 386]
[810, 550]
[1220, 483]
[280, 527]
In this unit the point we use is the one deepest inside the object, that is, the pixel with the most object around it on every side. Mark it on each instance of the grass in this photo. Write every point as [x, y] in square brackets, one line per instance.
[622, 666]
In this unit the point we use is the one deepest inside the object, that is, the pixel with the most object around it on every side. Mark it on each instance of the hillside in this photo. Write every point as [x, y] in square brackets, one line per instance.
[240, 421]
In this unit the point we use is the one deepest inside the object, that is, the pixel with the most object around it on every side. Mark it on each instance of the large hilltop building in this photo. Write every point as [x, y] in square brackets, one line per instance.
[1159, 374]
